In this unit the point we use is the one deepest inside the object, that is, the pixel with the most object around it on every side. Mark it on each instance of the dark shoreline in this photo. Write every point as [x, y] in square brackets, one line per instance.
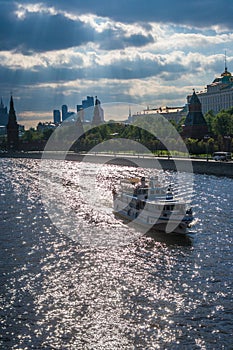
[198, 166]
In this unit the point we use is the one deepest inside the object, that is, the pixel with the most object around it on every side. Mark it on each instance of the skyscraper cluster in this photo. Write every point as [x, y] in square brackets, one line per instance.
[87, 111]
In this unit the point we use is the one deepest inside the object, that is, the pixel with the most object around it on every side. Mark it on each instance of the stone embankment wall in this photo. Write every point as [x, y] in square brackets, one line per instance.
[197, 166]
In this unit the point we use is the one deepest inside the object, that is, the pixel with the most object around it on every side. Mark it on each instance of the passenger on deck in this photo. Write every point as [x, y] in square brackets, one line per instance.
[142, 185]
[169, 194]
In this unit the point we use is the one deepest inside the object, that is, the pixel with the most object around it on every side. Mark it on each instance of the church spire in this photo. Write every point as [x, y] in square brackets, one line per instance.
[12, 115]
[11, 102]
[130, 114]
[98, 116]
[12, 128]
[226, 73]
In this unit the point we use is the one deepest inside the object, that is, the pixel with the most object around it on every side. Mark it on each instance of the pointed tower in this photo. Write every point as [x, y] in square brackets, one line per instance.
[98, 117]
[195, 125]
[12, 128]
[130, 115]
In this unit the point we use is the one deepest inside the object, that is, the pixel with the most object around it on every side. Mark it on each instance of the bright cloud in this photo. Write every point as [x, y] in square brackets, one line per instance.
[53, 53]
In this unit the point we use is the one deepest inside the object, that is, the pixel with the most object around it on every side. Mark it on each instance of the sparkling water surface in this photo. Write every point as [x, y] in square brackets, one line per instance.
[149, 292]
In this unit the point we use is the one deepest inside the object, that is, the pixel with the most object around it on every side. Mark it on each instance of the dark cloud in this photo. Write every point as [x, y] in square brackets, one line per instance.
[41, 31]
[195, 12]
[44, 32]
[20, 77]
[38, 32]
[137, 68]
[115, 40]
[122, 69]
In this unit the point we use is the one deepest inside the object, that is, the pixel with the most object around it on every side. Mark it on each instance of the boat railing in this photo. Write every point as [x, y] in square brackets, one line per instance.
[154, 189]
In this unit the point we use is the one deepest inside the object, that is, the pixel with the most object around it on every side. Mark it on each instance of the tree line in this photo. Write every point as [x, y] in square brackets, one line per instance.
[145, 130]
[155, 134]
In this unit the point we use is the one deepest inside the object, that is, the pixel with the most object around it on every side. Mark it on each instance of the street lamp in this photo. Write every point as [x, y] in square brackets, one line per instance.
[206, 137]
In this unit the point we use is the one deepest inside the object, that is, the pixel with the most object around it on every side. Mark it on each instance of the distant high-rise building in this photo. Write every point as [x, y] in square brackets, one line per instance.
[56, 116]
[64, 112]
[3, 114]
[79, 108]
[86, 109]
[12, 128]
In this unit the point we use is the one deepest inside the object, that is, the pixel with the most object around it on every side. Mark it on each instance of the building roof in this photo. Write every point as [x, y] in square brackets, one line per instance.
[163, 110]
[195, 116]
[225, 78]
[194, 99]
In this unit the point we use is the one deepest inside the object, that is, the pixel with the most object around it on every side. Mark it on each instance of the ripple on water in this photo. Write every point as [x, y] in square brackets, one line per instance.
[151, 293]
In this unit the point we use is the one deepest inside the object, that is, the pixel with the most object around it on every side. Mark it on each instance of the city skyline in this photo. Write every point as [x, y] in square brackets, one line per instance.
[154, 54]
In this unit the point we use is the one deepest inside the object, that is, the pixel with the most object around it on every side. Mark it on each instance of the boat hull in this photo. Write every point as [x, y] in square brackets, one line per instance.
[180, 227]
[153, 207]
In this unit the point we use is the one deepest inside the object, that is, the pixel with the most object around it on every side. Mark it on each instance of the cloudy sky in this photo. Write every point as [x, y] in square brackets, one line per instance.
[152, 53]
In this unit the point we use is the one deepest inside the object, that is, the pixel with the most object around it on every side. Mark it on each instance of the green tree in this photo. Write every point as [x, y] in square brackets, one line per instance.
[32, 135]
[180, 124]
[47, 133]
[223, 123]
[209, 117]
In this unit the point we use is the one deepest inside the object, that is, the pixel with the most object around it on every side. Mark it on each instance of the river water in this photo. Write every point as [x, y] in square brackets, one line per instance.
[147, 292]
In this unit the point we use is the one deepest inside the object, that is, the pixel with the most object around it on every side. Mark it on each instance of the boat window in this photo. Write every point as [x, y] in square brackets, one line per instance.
[142, 205]
[133, 203]
[150, 207]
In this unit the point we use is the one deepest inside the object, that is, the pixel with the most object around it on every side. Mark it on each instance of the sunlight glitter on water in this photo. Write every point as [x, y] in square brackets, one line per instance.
[151, 293]
[79, 196]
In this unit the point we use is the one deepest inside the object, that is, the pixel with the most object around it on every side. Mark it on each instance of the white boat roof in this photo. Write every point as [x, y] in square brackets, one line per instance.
[159, 200]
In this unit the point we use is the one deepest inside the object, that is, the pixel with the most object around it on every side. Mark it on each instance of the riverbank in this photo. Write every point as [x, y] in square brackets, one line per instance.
[198, 166]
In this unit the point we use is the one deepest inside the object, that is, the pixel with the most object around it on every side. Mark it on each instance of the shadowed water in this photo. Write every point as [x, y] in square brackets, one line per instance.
[153, 292]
